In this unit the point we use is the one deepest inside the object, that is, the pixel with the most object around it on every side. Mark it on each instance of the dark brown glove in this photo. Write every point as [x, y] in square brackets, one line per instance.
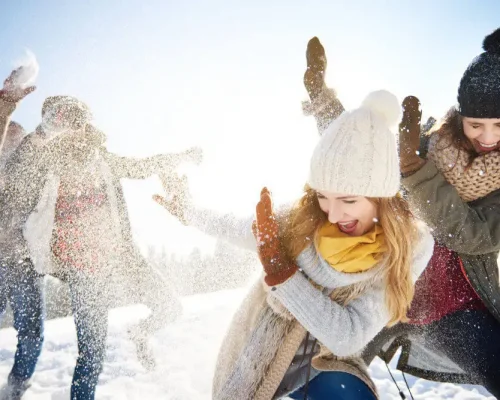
[314, 77]
[324, 104]
[409, 137]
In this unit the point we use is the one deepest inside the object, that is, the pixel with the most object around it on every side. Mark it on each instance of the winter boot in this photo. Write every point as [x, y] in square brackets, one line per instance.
[15, 388]
[144, 353]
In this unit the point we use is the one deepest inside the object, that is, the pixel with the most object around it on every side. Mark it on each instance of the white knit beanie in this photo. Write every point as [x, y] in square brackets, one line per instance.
[357, 153]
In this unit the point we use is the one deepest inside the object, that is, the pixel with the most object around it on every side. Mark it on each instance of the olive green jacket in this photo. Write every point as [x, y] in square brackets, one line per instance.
[470, 229]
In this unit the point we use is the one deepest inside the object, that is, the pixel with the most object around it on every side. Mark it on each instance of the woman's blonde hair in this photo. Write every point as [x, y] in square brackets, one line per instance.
[302, 225]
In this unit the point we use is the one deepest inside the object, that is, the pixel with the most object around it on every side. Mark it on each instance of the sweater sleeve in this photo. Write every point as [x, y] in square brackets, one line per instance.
[460, 226]
[344, 330]
[142, 168]
[133, 168]
[237, 231]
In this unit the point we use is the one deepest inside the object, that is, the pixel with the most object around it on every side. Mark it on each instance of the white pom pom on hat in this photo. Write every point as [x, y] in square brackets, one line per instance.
[385, 105]
[357, 154]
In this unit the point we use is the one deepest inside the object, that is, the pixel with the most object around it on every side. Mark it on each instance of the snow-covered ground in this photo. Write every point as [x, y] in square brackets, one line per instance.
[185, 351]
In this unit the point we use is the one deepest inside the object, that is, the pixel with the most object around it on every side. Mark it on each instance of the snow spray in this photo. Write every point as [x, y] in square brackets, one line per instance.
[28, 70]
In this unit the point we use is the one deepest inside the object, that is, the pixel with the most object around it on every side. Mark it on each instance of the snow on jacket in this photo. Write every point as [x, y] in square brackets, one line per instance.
[39, 227]
[27, 205]
[6, 110]
[270, 326]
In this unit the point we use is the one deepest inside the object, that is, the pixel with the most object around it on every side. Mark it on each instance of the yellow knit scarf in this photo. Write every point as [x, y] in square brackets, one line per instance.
[351, 254]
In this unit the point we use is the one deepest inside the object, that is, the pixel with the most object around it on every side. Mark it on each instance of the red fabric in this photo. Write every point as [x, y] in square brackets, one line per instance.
[442, 289]
[73, 202]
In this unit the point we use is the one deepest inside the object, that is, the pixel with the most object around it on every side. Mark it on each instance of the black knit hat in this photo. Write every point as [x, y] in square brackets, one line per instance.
[479, 90]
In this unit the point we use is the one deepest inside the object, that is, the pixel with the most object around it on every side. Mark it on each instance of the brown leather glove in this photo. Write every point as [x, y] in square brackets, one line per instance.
[277, 266]
[314, 77]
[324, 104]
[409, 137]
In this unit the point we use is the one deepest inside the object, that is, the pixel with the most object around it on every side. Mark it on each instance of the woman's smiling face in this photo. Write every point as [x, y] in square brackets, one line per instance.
[483, 133]
[354, 215]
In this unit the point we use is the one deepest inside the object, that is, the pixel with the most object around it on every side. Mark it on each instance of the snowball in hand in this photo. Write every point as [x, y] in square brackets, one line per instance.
[28, 71]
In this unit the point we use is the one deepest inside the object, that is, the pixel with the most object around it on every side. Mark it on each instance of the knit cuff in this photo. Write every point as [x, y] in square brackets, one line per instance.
[318, 105]
[315, 268]
[293, 291]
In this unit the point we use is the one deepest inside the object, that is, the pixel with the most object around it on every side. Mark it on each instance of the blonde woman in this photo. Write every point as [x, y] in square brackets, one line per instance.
[339, 266]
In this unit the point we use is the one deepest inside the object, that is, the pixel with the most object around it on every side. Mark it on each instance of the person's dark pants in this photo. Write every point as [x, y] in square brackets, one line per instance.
[471, 340]
[22, 287]
[335, 385]
[90, 310]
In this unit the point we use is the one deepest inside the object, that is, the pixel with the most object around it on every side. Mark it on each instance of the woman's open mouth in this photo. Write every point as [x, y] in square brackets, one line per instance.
[347, 227]
[485, 147]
